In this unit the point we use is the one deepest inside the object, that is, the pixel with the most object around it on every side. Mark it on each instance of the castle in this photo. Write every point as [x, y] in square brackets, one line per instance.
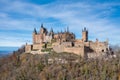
[66, 42]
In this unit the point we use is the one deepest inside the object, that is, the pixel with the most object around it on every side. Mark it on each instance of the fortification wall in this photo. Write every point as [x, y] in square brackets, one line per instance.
[58, 48]
[101, 48]
[55, 44]
[96, 55]
[37, 46]
[28, 48]
[98, 46]
[78, 44]
[66, 44]
[76, 50]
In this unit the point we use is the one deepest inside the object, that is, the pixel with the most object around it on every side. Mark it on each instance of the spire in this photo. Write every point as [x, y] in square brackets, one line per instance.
[58, 32]
[35, 31]
[107, 40]
[42, 25]
[51, 29]
[51, 32]
[67, 29]
[41, 29]
[84, 29]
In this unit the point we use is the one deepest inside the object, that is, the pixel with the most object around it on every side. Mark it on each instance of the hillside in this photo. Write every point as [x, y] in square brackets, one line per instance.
[53, 66]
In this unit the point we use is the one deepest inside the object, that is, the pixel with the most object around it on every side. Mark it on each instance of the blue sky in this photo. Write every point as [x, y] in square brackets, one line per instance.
[19, 17]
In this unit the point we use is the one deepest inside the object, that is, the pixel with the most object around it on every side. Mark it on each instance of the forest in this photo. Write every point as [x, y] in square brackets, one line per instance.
[54, 66]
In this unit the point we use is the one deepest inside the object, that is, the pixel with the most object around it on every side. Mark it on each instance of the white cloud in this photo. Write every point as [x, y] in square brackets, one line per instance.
[75, 15]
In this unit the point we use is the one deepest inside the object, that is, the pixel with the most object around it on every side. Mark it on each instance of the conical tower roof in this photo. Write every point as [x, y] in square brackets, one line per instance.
[35, 31]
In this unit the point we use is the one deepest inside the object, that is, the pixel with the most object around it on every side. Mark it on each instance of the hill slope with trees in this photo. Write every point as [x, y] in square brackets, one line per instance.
[54, 66]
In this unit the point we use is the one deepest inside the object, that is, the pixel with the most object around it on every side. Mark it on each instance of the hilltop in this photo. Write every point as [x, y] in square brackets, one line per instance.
[54, 66]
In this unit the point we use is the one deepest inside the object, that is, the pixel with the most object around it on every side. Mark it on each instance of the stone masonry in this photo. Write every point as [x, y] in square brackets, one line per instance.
[66, 42]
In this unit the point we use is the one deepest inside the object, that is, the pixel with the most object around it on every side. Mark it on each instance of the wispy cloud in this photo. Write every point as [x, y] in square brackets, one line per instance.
[97, 17]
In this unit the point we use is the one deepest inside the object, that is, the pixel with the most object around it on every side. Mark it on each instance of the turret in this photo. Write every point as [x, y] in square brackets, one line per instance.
[67, 29]
[51, 33]
[51, 30]
[41, 29]
[42, 25]
[35, 32]
[34, 38]
[84, 35]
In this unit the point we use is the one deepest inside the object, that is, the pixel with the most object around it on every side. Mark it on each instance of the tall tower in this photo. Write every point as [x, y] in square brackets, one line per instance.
[41, 29]
[67, 29]
[84, 35]
[34, 37]
[51, 33]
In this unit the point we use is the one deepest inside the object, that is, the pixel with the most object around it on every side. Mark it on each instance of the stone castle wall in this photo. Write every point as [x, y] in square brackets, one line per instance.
[66, 44]
[76, 50]
[58, 49]
[68, 48]
[37, 46]
[28, 48]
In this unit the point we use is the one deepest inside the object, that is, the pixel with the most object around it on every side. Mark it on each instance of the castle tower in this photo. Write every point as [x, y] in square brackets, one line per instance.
[34, 35]
[67, 29]
[51, 30]
[41, 29]
[84, 35]
[52, 33]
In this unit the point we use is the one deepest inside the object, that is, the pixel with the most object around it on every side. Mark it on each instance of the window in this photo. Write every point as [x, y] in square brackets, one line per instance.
[102, 50]
[73, 44]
